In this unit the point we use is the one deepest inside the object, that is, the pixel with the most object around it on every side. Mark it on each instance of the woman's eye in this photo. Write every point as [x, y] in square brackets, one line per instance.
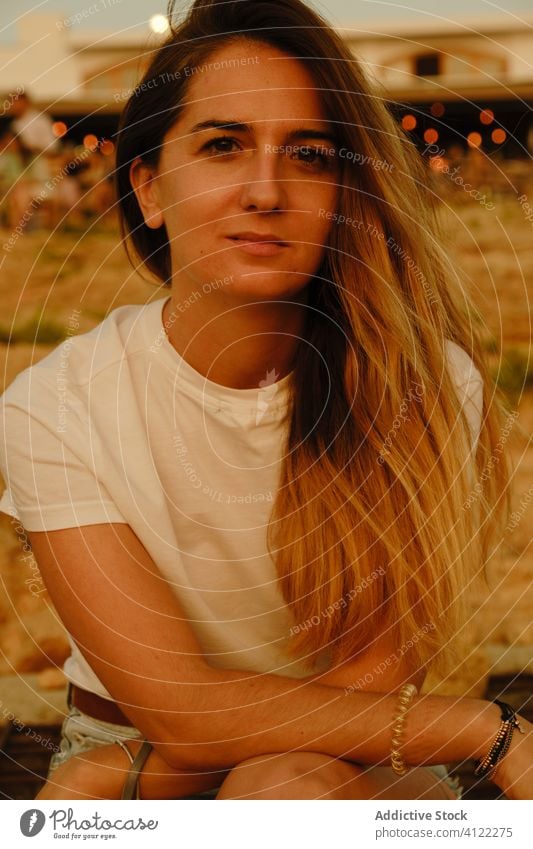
[221, 145]
[314, 156]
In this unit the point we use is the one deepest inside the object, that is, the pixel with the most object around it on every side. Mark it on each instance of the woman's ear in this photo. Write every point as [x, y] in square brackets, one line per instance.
[143, 181]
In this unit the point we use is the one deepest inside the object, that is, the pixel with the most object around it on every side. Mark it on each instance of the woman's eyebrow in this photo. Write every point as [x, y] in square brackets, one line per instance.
[239, 127]
[219, 125]
[317, 135]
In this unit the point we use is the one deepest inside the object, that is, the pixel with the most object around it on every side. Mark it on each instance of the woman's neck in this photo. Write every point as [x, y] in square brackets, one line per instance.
[244, 348]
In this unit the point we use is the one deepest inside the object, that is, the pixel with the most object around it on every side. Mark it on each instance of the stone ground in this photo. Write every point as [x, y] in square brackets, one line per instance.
[30, 700]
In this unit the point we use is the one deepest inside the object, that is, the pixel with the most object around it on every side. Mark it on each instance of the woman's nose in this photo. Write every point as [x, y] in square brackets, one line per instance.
[262, 188]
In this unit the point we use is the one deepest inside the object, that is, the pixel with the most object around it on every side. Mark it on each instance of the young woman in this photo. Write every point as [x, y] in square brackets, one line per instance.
[251, 501]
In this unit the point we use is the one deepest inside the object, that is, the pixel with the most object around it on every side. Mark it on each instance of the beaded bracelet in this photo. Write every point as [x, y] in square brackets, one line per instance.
[486, 766]
[405, 695]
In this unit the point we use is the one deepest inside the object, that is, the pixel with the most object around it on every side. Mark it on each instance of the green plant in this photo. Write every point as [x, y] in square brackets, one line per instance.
[35, 331]
[514, 372]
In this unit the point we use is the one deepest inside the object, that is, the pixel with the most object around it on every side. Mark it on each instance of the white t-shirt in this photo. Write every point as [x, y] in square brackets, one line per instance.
[115, 426]
[35, 131]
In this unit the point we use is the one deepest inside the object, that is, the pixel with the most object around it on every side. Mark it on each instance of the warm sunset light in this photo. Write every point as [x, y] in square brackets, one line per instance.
[247, 256]
[107, 147]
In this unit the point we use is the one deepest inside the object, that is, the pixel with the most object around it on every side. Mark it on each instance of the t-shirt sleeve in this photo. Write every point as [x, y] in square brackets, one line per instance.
[469, 387]
[471, 397]
[49, 470]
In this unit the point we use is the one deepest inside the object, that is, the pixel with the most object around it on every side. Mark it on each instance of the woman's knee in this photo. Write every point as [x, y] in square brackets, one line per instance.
[288, 775]
[73, 779]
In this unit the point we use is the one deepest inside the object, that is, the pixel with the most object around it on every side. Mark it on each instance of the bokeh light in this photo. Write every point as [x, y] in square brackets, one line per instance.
[159, 24]
[408, 122]
[486, 116]
[431, 135]
[59, 128]
[474, 139]
[90, 141]
[498, 136]
[437, 109]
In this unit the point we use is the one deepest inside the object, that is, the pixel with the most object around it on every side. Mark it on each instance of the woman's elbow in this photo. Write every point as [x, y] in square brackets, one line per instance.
[186, 747]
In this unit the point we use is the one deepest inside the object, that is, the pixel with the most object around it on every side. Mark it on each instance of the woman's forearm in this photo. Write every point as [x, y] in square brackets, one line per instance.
[241, 715]
[109, 594]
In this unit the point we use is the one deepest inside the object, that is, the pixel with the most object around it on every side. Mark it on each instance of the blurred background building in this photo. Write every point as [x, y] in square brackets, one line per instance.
[455, 81]
[451, 81]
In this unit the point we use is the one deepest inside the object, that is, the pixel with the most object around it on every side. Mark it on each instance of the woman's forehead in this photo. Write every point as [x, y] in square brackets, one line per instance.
[246, 83]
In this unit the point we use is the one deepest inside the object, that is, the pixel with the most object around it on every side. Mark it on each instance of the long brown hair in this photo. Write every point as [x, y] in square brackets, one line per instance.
[374, 527]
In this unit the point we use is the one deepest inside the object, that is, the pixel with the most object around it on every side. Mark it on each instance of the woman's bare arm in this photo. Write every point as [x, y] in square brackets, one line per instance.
[380, 668]
[132, 630]
[100, 773]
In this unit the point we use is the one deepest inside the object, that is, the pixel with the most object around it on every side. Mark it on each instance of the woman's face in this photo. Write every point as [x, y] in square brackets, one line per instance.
[247, 202]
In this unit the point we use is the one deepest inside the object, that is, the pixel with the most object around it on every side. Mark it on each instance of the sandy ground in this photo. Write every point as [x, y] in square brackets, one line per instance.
[24, 697]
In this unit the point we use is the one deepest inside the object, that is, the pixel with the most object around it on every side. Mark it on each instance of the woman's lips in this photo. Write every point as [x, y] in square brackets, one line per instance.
[258, 245]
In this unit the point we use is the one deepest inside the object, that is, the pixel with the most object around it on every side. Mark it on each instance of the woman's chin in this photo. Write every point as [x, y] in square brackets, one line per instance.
[266, 286]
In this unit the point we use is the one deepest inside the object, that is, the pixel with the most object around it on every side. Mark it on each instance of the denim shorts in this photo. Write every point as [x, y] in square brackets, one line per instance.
[80, 732]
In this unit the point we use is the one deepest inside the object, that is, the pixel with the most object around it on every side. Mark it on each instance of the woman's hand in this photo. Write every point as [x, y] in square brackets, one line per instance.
[514, 774]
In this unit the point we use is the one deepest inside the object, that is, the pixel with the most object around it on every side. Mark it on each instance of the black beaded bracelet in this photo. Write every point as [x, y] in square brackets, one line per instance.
[500, 746]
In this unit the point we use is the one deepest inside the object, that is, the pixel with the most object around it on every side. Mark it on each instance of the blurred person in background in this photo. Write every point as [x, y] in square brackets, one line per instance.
[33, 129]
[13, 196]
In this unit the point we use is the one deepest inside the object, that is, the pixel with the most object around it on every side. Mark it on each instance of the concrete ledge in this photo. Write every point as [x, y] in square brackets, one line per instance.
[509, 660]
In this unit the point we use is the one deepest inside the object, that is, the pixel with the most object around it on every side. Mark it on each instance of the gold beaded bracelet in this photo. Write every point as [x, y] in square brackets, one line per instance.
[405, 695]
